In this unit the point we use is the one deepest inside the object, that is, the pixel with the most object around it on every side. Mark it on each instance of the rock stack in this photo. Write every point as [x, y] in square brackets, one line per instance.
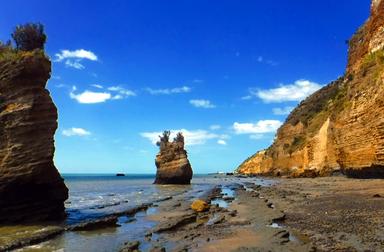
[31, 188]
[172, 162]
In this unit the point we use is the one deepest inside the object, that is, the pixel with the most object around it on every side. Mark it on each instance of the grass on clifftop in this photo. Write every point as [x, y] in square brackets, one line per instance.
[28, 39]
[11, 54]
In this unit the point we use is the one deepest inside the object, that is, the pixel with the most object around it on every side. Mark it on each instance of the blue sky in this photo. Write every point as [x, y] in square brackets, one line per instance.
[226, 72]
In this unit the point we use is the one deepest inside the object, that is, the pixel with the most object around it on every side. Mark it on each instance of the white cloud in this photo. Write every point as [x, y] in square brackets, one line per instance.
[262, 126]
[215, 127]
[76, 54]
[89, 97]
[73, 58]
[192, 137]
[202, 103]
[290, 92]
[76, 132]
[221, 142]
[282, 111]
[168, 91]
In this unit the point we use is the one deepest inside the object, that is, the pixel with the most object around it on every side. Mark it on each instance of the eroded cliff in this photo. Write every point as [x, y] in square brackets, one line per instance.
[30, 186]
[341, 126]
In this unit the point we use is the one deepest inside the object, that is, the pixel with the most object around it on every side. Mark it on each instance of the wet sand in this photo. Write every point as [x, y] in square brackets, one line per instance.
[244, 225]
[321, 214]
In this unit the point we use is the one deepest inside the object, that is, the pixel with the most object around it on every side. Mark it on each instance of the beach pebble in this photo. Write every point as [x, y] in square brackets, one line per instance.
[199, 206]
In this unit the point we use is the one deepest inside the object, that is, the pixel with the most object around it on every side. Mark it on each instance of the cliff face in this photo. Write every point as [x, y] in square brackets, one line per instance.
[172, 164]
[341, 126]
[368, 38]
[30, 186]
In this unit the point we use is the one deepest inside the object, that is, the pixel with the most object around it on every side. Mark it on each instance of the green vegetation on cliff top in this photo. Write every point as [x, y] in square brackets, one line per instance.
[27, 37]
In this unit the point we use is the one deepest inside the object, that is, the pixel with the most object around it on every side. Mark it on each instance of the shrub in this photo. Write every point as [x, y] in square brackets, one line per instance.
[29, 37]
[179, 138]
[164, 138]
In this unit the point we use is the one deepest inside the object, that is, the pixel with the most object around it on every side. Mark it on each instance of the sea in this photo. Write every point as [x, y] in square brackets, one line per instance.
[92, 196]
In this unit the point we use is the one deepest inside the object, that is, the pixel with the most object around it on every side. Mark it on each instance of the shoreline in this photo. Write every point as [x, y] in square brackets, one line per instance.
[252, 214]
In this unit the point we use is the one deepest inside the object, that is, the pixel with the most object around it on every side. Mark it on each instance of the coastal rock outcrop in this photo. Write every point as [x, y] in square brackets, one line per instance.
[341, 126]
[172, 162]
[31, 188]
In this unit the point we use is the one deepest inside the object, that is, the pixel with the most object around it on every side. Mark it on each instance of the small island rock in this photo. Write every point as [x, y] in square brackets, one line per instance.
[172, 162]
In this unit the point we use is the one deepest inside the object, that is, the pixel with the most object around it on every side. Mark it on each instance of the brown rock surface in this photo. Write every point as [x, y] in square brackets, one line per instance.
[30, 186]
[172, 162]
[341, 126]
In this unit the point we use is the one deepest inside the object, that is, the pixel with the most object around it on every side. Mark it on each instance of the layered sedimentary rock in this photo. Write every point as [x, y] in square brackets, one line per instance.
[173, 166]
[341, 126]
[30, 186]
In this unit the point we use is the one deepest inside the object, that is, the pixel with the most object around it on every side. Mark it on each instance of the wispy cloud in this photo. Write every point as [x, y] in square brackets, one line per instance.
[76, 132]
[61, 85]
[97, 86]
[199, 103]
[297, 91]
[247, 97]
[260, 127]
[256, 136]
[221, 142]
[282, 111]
[261, 59]
[169, 91]
[73, 58]
[75, 64]
[122, 91]
[192, 137]
[215, 127]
